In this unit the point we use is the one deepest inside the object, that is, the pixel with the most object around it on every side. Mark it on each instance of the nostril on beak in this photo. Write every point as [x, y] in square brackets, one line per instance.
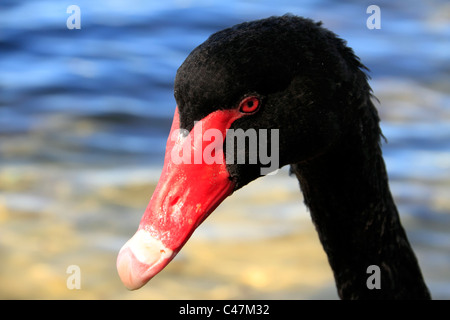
[174, 201]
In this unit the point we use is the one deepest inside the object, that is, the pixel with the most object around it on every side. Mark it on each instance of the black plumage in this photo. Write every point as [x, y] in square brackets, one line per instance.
[315, 91]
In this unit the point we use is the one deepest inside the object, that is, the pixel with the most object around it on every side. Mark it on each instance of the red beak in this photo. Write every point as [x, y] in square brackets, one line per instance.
[186, 194]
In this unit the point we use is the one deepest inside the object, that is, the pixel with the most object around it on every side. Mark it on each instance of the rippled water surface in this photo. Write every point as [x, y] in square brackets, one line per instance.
[84, 117]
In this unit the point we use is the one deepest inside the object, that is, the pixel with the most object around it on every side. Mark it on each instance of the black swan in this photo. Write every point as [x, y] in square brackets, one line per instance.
[291, 74]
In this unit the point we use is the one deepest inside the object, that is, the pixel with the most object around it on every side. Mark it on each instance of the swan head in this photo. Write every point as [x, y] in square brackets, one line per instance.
[250, 99]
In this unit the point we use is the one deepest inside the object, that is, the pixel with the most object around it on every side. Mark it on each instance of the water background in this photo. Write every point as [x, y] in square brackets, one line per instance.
[84, 117]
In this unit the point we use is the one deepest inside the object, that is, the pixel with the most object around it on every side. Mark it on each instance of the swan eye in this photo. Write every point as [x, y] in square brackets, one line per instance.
[249, 105]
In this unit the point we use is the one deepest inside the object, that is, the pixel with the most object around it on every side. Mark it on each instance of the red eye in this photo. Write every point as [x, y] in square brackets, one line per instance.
[249, 105]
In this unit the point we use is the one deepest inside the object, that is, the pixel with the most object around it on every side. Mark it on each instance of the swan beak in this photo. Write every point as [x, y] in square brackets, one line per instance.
[185, 196]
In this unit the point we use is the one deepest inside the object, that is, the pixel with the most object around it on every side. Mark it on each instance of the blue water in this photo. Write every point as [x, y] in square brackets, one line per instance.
[98, 101]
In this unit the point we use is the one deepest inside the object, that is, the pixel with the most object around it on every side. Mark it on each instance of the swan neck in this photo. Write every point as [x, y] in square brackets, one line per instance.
[347, 193]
